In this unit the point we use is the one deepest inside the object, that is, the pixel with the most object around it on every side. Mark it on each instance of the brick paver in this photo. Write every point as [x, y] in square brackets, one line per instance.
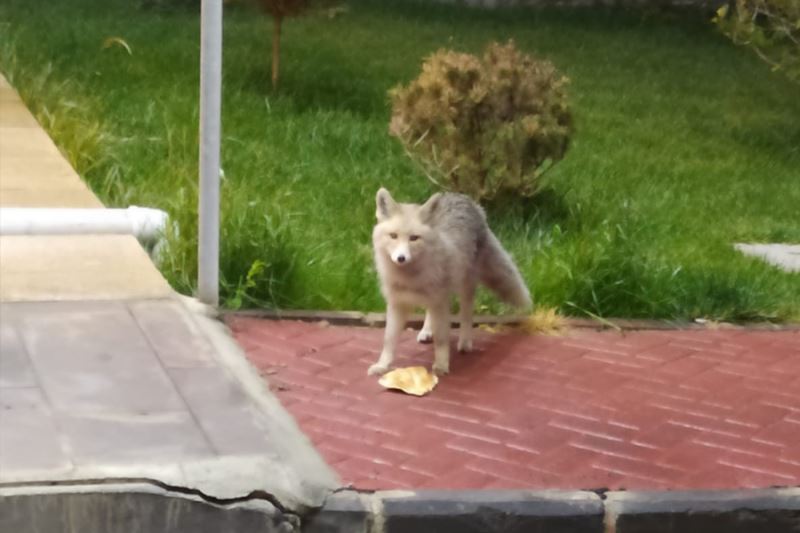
[647, 409]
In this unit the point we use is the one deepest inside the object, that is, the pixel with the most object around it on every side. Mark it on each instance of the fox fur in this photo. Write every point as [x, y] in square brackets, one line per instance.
[425, 254]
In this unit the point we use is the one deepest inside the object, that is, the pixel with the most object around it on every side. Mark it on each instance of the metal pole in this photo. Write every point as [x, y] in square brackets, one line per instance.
[210, 104]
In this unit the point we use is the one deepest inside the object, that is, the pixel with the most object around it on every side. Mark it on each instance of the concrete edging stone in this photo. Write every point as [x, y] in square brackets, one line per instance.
[299, 478]
[552, 511]
[123, 507]
[468, 511]
[708, 511]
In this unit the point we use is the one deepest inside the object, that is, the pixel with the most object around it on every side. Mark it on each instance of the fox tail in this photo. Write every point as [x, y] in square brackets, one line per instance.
[497, 271]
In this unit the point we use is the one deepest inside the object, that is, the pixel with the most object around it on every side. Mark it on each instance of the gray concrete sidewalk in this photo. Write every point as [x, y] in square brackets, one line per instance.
[137, 390]
[110, 380]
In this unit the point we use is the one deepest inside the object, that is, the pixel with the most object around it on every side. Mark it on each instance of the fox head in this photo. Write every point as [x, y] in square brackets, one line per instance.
[403, 230]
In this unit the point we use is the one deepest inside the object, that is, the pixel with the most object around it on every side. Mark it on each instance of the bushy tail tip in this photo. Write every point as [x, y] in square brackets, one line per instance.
[498, 272]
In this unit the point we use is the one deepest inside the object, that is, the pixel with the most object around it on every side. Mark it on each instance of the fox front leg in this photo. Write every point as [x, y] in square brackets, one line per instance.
[396, 317]
[440, 322]
[426, 333]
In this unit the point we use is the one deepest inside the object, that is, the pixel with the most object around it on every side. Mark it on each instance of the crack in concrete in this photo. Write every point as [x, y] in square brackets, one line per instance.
[254, 495]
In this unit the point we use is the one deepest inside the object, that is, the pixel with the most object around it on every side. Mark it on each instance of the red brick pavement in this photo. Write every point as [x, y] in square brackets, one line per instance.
[648, 409]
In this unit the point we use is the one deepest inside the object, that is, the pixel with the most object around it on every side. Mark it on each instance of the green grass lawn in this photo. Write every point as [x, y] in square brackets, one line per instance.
[685, 144]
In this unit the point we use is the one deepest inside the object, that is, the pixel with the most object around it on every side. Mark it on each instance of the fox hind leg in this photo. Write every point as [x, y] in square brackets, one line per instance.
[466, 306]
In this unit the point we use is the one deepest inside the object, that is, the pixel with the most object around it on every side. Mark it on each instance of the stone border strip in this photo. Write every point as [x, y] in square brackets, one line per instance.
[355, 318]
[146, 506]
[720, 511]
[122, 507]
[734, 511]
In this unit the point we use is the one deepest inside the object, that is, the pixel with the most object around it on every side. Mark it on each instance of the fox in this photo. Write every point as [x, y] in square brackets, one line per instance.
[426, 254]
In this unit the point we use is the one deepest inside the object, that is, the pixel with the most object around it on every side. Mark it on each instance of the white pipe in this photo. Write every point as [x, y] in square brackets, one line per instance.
[146, 224]
[210, 106]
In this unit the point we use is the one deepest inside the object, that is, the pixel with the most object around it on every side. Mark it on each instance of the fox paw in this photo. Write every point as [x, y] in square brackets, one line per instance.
[464, 345]
[440, 369]
[377, 369]
[424, 336]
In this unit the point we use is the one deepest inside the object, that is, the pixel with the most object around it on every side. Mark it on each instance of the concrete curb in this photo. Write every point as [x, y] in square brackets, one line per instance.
[299, 478]
[355, 318]
[735, 511]
[458, 512]
[121, 507]
[712, 511]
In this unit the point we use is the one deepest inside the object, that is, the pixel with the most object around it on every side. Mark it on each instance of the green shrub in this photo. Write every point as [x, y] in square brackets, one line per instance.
[770, 27]
[484, 126]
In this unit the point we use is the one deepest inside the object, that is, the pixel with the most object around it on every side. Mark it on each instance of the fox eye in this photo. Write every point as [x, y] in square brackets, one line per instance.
[393, 235]
[413, 237]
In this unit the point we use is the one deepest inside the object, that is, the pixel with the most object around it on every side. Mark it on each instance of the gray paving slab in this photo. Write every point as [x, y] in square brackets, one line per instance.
[29, 438]
[15, 367]
[174, 337]
[122, 438]
[233, 424]
[94, 358]
[144, 390]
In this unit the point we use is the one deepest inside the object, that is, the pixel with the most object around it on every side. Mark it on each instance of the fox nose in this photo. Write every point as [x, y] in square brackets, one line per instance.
[401, 259]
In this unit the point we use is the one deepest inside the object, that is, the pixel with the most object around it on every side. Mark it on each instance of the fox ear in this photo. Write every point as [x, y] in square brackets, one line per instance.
[385, 204]
[429, 208]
